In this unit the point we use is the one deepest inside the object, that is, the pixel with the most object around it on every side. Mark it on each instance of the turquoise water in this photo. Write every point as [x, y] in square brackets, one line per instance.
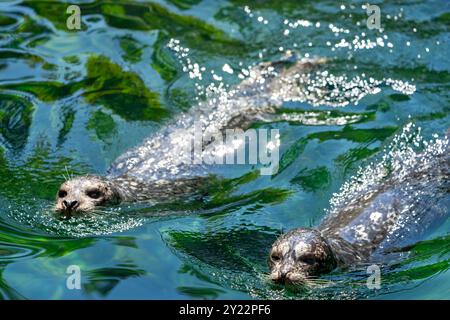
[73, 101]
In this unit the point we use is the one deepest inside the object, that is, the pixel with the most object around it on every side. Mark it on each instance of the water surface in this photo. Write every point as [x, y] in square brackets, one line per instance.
[73, 101]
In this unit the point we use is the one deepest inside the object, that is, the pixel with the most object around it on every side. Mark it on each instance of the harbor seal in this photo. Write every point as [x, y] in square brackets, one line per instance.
[85, 193]
[151, 171]
[371, 227]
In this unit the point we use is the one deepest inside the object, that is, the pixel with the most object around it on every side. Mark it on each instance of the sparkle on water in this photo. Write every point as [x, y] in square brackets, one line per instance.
[71, 102]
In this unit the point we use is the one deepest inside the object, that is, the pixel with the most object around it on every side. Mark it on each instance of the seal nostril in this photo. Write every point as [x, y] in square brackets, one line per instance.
[70, 204]
[281, 279]
[278, 277]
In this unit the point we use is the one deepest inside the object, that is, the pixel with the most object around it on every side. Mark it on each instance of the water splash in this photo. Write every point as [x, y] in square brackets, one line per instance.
[399, 159]
[99, 222]
[412, 175]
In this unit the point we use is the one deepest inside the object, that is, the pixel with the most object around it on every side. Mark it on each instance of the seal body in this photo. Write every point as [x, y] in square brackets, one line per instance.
[85, 193]
[161, 155]
[395, 215]
[372, 227]
[154, 170]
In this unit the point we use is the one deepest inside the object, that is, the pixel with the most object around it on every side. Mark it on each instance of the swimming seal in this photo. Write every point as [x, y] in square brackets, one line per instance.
[373, 227]
[151, 171]
[85, 193]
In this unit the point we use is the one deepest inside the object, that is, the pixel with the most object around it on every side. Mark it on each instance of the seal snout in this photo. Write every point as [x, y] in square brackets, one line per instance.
[71, 204]
[285, 277]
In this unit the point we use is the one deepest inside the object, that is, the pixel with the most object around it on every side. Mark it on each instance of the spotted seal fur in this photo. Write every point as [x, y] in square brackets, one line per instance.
[151, 171]
[372, 227]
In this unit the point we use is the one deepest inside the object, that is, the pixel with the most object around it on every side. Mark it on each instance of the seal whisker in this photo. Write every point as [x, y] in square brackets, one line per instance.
[68, 173]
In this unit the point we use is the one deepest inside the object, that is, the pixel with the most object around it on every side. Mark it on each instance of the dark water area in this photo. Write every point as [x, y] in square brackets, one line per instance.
[72, 101]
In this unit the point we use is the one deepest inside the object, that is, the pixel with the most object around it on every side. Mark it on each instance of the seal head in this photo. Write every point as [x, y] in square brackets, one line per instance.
[85, 193]
[299, 255]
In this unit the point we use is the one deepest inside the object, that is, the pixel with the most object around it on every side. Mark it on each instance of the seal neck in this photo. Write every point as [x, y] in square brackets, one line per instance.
[344, 252]
[131, 189]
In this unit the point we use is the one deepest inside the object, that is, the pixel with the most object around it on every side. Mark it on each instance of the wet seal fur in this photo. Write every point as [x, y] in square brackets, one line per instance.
[85, 193]
[134, 175]
[376, 227]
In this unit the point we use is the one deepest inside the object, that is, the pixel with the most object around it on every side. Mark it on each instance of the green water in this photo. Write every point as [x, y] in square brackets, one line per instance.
[73, 101]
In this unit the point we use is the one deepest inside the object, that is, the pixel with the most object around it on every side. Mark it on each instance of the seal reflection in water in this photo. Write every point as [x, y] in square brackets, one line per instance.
[375, 225]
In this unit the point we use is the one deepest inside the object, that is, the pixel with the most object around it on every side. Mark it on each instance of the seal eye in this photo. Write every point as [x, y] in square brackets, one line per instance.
[62, 193]
[94, 194]
[307, 259]
[275, 257]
